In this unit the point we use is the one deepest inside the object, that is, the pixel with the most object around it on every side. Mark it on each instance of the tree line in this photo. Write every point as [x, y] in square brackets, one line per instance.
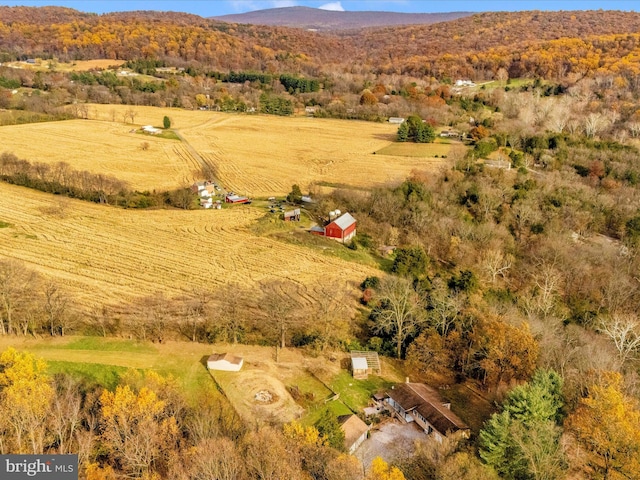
[62, 179]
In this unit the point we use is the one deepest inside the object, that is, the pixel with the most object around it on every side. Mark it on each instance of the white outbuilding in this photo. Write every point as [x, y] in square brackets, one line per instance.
[225, 362]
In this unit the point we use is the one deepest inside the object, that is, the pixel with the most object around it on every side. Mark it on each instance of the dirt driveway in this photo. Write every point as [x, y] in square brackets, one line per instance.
[390, 441]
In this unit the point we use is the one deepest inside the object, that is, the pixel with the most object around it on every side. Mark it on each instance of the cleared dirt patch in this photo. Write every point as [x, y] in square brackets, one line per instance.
[391, 441]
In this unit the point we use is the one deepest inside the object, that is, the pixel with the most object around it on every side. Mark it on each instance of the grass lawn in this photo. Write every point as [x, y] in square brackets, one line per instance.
[440, 148]
[109, 345]
[104, 360]
[107, 376]
[512, 83]
[329, 247]
[356, 393]
[314, 413]
[166, 134]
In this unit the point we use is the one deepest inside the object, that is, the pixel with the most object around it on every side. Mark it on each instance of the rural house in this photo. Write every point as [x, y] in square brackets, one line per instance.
[364, 364]
[225, 362]
[150, 129]
[355, 431]
[422, 404]
[396, 120]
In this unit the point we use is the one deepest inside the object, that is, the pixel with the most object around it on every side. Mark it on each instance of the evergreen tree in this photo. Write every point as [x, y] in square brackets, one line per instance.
[425, 133]
[522, 441]
[166, 122]
[403, 132]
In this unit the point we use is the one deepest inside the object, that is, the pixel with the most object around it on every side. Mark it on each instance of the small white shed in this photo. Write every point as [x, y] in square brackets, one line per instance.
[225, 362]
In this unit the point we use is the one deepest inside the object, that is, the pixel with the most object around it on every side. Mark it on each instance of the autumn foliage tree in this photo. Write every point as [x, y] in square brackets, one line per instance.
[136, 429]
[606, 424]
[25, 401]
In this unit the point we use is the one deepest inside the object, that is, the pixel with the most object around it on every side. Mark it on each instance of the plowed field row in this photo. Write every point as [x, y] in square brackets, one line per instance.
[106, 254]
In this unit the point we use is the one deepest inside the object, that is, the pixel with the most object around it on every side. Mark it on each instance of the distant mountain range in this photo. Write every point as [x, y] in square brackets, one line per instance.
[326, 20]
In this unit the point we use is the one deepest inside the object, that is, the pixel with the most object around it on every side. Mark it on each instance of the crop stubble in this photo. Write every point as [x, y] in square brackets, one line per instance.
[104, 255]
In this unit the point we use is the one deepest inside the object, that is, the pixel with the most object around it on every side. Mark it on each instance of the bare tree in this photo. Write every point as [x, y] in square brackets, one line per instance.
[400, 310]
[547, 281]
[217, 459]
[495, 262]
[130, 113]
[593, 124]
[634, 129]
[230, 314]
[66, 414]
[15, 281]
[280, 309]
[502, 75]
[55, 306]
[267, 458]
[329, 314]
[445, 307]
[195, 309]
[624, 332]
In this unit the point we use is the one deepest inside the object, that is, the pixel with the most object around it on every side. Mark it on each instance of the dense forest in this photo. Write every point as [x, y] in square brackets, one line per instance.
[515, 268]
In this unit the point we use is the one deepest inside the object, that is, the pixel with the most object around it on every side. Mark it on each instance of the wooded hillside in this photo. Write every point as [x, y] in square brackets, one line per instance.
[475, 46]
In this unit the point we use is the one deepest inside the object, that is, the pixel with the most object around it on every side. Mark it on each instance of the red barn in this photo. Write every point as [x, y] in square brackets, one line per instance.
[342, 229]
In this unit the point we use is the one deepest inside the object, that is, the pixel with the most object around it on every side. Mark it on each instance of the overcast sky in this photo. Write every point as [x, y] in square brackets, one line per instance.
[208, 8]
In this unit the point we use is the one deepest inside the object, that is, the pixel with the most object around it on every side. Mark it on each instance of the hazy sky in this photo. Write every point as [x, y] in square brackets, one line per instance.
[208, 8]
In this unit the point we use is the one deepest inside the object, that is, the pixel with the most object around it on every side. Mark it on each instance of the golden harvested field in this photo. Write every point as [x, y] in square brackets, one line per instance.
[104, 147]
[254, 155]
[105, 255]
[261, 155]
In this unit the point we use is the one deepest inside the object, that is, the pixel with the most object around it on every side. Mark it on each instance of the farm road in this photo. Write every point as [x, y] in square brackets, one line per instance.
[205, 165]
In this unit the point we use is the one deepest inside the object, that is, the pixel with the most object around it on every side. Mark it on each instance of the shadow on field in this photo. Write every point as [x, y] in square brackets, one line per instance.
[203, 361]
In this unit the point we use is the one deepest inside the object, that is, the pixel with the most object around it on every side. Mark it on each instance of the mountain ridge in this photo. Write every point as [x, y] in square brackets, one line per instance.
[331, 20]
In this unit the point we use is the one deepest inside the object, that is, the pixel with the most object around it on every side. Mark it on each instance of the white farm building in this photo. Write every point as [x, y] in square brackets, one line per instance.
[225, 362]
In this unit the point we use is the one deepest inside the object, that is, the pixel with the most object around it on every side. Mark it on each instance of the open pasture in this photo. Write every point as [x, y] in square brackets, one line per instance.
[105, 255]
[425, 150]
[75, 66]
